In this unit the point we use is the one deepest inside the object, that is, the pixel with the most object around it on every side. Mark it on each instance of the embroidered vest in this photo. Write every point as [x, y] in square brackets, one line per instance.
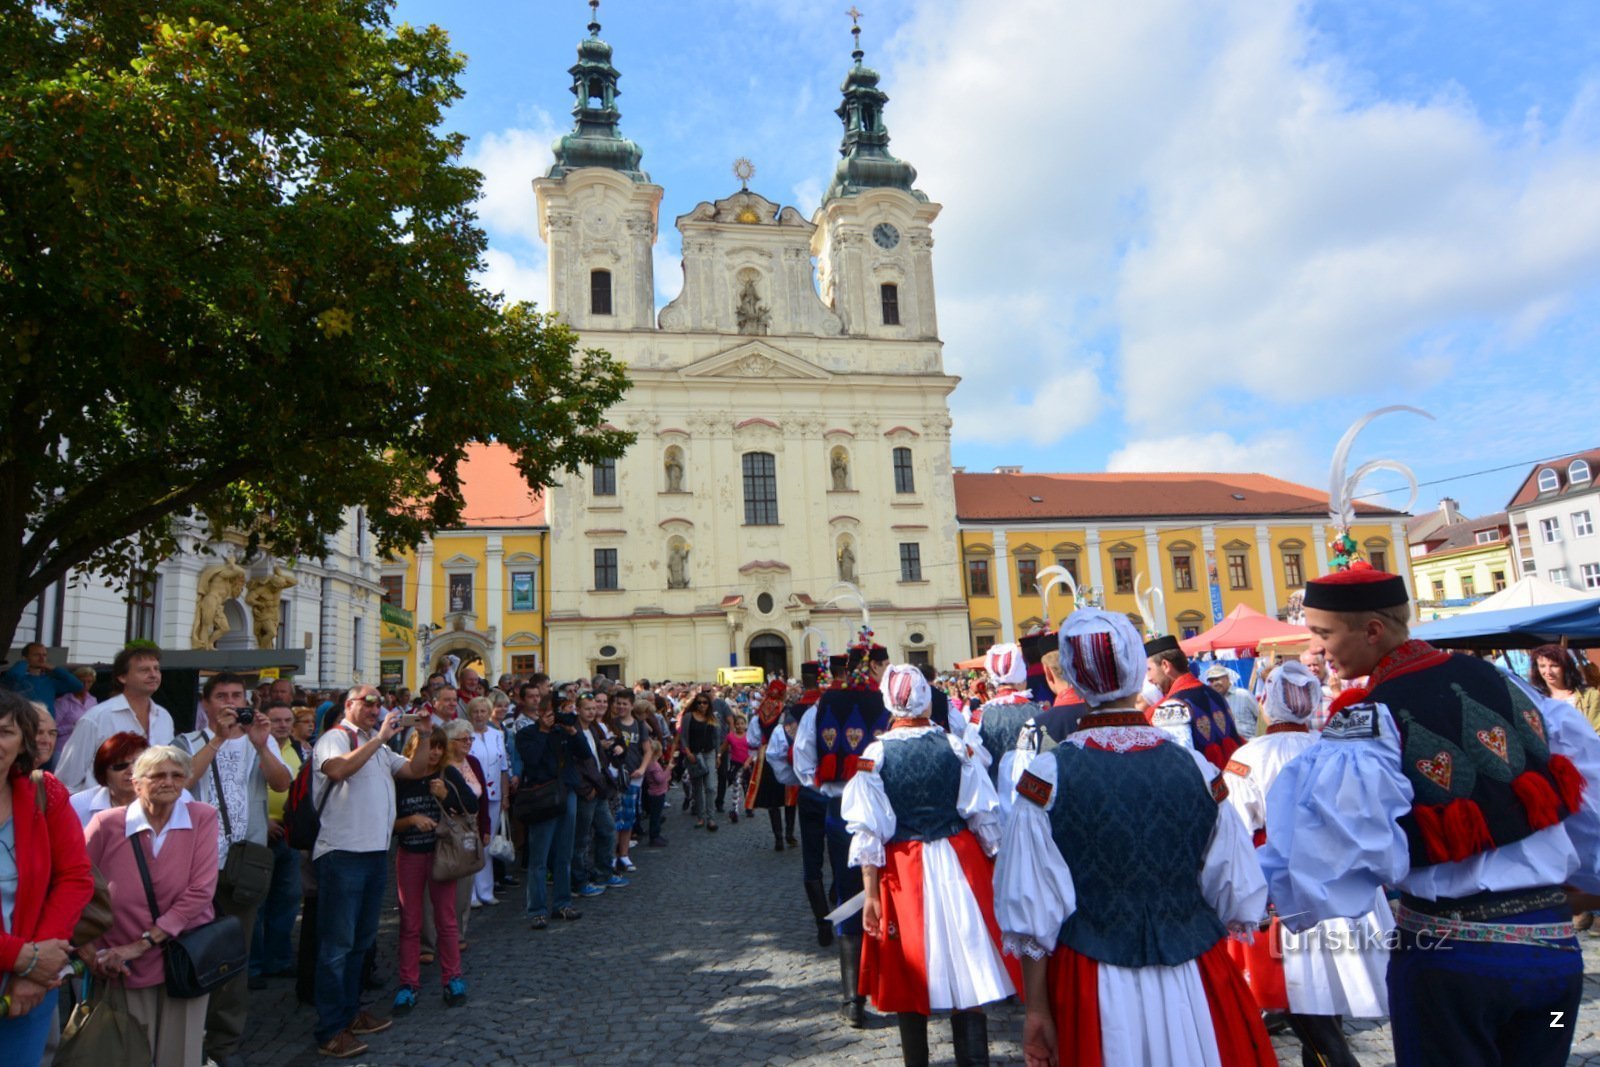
[922, 779]
[848, 720]
[1133, 828]
[1476, 752]
[1210, 722]
[999, 725]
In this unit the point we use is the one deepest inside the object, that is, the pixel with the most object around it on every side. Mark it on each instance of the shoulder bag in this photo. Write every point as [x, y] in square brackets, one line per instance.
[96, 917]
[199, 959]
[99, 1032]
[246, 872]
[457, 852]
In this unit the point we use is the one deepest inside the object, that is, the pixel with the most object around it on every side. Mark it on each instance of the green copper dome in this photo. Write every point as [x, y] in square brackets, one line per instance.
[595, 140]
[867, 163]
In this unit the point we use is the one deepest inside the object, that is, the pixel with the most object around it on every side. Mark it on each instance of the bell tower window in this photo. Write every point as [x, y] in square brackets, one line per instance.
[889, 294]
[599, 292]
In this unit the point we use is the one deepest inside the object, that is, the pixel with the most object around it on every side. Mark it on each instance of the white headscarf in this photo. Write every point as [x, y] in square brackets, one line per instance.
[1005, 665]
[1102, 655]
[1293, 693]
[906, 692]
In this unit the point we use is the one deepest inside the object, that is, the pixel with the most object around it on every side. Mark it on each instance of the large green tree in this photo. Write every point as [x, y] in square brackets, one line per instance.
[237, 254]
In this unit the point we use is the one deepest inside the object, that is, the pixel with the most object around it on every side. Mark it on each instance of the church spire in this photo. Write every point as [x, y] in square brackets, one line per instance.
[595, 140]
[867, 163]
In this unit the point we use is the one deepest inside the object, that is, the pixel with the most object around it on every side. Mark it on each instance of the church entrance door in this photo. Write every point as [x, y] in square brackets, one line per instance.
[771, 653]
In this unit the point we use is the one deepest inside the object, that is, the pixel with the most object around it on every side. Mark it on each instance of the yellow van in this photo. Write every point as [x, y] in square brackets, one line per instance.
[741, 676]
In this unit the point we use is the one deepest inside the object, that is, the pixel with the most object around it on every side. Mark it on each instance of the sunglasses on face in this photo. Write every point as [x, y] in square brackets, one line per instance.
[120, 766]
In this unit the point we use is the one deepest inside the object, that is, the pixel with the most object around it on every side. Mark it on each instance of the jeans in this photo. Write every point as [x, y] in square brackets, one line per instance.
[594, 843]
[550, 849]
[350, 888]
[699, 788]
[653, 807]
[272, 947]
[22, 1040]
[419, 895]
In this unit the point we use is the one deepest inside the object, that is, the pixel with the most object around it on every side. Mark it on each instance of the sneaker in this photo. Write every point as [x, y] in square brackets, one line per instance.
[404, 1000]
[342, 1046]
[591, 890]
[455, 992]
[570, 914]
[616, 881]
[366, 1023]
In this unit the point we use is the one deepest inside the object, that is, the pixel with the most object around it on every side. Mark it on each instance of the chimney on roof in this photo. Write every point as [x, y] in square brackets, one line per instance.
[1450, 510]
[1009, 470]
[959, 470]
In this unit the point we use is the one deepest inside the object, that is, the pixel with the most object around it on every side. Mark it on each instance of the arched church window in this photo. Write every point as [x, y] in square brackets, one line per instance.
[889, 293]
[599, 292]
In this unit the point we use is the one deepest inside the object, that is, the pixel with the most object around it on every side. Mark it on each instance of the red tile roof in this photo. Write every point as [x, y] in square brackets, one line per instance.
[1528, 491]
[496, 493]
[1038, 497]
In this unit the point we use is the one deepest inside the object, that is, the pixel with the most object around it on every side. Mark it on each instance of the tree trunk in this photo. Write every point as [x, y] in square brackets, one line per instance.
[11, 609]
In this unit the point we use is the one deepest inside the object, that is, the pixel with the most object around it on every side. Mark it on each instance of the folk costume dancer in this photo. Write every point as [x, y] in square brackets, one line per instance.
[1196, 715]
[991, 730]
[1475, 797]
[924, 824]
[1120, 873]
[769, 788]
[1337, 967]
[1035, 647]
[826, 753]
[812, 803]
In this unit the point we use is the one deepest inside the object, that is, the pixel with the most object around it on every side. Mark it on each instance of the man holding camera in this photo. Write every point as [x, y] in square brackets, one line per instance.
[234, 763]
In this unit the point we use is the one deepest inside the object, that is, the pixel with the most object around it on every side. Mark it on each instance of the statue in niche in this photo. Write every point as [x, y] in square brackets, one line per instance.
[217, 585]
[674, 471]
[678, 566]
[753, 316]
[847, 561]
[841, 471]
[265, 600]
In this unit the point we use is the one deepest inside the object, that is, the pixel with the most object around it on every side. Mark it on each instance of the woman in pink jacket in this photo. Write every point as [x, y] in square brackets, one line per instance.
[180, 844]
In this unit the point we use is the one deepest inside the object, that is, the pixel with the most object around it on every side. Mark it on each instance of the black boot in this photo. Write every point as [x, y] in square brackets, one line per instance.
[819, 908]
[969, 1030]
[852, 1005]
[1322, 1041]
[913, 1038]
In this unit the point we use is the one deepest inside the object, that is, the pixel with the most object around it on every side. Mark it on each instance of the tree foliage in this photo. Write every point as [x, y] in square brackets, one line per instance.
[237, 253]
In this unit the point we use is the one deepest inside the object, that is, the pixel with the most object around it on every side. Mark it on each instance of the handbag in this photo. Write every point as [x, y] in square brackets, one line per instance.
[247, 869]
[201, 958]
[96, 917]
[500, 846]
[99, 1032]
[456, 851]
[539, 802]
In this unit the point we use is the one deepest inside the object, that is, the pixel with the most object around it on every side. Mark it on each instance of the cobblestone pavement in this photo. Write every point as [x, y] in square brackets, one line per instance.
[708, 958]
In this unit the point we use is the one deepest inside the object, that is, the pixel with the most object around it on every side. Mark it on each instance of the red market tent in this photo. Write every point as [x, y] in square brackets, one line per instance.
[974, 664]
[1244, 627]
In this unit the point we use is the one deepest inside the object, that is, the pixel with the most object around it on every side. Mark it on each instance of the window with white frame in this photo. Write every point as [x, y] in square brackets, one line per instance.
[1488, 537]
[1559, 577]
[1550, 530]
[1582, 523]
[1578, 471]
[1549, 481]
[1591, 575]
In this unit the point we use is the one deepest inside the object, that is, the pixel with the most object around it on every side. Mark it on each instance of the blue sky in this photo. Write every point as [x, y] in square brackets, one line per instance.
[1176, 234]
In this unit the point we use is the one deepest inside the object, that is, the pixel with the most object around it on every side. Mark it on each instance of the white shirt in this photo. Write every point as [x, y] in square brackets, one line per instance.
[358, 814]
[75, 769]
[244, 787]
[136, 821]
[91, 802]
[490, 748]
[778, 756]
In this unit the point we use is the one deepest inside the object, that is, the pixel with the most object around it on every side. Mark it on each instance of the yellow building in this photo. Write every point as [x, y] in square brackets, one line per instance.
[1456, 564]
[1207, 542]
[477, 591]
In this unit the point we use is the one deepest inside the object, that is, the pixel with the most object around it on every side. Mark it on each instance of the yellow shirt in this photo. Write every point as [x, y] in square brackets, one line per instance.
[275, 799]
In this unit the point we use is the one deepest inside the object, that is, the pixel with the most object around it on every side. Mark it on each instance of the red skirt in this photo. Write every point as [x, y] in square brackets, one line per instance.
[1261, 966]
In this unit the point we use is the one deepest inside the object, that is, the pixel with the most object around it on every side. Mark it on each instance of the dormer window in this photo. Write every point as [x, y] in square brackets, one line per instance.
[1578, 471]
[1548, 481]
[1488, 537]
[599, 292]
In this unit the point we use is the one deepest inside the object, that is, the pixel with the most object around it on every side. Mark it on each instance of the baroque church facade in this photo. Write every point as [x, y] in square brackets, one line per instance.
[792, 459]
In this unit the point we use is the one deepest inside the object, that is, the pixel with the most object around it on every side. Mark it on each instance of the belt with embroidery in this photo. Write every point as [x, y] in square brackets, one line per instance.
[1487, 906]
[1545, 935]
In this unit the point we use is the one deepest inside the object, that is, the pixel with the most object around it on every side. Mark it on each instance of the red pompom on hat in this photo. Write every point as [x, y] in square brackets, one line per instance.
[1361, 588]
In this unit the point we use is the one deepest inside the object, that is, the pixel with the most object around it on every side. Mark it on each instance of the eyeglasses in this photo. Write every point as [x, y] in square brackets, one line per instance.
[372, 698]
[120, 766]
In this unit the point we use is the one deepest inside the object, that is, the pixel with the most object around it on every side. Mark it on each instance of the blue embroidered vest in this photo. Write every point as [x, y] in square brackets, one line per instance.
[1210, 721]
[1133, 828]
[848, 720]
[922, 779]
[999, 726]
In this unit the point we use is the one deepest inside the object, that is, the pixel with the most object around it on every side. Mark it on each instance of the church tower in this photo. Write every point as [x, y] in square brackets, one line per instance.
[597, 208]
[873, 242]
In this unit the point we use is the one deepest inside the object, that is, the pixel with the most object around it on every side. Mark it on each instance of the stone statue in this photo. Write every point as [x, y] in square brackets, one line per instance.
[678, 566]
[753, 316]
[218, 584]
[841, 472]
[265, 601]
[674, 471]
[847, 562]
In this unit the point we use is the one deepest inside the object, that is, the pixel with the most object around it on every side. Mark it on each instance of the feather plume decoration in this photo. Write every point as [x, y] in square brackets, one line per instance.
[1152, 606]
[851, 595]
[1342, 488]
[1046, 580]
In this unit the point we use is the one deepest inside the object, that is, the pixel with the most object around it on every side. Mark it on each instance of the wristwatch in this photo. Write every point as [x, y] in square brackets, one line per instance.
[147, 936]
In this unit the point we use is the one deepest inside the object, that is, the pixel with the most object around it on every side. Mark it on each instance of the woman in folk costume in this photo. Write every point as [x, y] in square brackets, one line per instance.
[770, 785]
[992, 729]
[1337, 967]
[1120, 874]
[924, 823]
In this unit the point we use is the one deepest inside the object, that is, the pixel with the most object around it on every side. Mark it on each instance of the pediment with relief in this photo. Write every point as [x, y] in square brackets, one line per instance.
[755, 359]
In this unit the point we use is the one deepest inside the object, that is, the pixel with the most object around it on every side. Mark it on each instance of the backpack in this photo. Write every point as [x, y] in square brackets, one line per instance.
[302, 816]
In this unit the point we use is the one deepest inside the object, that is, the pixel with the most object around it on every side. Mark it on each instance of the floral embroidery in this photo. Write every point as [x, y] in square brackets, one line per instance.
[1436, 770]
[1119, 738]
[1494, 740]
[1535, 722]
[853, 736]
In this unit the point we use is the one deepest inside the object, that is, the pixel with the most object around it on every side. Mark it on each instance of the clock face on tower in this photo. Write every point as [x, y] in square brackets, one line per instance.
[885, 235]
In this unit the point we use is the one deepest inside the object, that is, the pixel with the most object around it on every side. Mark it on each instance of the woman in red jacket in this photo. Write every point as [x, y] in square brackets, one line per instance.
[44, 884]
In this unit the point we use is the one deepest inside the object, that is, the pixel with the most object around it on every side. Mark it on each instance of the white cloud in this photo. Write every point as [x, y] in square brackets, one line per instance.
[517, 278]
[510, 159]
[1278, 454]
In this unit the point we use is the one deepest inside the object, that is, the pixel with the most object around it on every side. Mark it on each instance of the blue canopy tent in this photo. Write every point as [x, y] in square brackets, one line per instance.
[1577, 621]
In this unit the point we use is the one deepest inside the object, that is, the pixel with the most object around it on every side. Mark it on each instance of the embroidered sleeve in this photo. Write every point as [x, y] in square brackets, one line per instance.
[1357, 722]
[1034, 788]
[1241, 769]
[1171, 713]
[1219, 789]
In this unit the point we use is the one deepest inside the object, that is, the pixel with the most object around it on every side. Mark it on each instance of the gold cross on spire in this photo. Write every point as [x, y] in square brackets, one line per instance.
[855, 16]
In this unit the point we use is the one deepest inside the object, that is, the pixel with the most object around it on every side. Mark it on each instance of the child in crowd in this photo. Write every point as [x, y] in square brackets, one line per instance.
[656, 781]
[737, 748]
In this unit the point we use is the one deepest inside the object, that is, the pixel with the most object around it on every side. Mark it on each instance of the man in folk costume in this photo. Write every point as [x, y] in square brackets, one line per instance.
[772, 787]
[1120, 873]
[993, 727]
[826, 753]
[1192, 712]
[1035, 647]
[1473, 796]
[924, 822]
[1337, 967]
